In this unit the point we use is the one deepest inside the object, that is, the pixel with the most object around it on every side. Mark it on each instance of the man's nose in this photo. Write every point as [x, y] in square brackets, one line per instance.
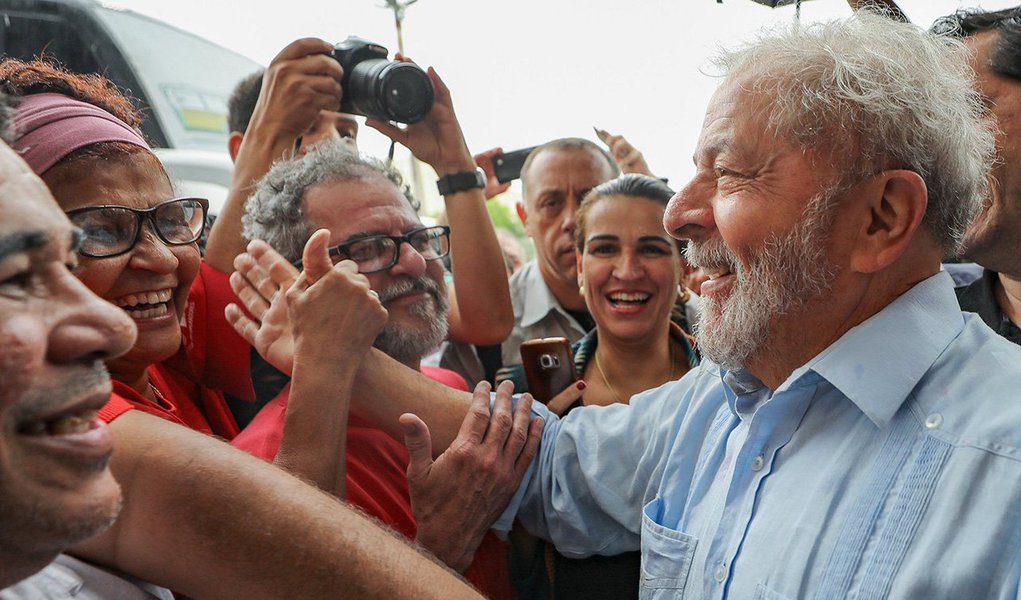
[689, 214]
[409, 261]
[88, 328]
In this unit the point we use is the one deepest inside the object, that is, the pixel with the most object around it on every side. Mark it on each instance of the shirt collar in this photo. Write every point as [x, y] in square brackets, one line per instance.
[538, 300]
[878, 362]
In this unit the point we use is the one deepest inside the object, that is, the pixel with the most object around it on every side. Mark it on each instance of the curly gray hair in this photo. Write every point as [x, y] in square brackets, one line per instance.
[274, 212]
[875, 94]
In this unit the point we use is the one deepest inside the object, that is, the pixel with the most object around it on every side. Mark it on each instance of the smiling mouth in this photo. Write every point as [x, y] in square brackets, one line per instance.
[68, 424]
[147, 305]
[623, 299]
[716, 273]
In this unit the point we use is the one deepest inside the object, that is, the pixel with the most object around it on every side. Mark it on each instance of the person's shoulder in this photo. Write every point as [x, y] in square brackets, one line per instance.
[971, 391]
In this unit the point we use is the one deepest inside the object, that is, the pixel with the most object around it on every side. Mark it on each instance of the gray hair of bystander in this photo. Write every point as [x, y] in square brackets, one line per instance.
[274, 212]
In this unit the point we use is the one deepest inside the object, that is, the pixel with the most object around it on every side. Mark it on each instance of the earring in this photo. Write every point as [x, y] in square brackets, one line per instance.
[581, 287]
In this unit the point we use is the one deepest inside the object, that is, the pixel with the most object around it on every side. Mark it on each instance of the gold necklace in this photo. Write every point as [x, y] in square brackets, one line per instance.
[606, 380]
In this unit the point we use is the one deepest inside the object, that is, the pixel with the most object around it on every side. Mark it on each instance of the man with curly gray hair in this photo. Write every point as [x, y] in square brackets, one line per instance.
[840, 438]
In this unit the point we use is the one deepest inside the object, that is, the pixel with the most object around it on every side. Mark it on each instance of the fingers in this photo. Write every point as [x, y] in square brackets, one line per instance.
[473, 428]
[316, 257]
[250, 297]
[280, 270]
[519, 428]
[256, 279]
[501, 422]
[302, 47]
[245, 327]
[389, 130]
[418, 441]
[530, 448]
[562, 401]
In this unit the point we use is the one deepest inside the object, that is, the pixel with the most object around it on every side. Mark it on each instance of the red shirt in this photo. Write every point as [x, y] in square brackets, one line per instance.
[377, 479]
[191, 384]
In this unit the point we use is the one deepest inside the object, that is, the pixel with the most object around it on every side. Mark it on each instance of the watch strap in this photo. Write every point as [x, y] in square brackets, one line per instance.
[459, 182]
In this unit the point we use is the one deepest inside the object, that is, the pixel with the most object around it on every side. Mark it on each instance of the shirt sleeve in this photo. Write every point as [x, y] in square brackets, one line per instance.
[218, 357]
[114, 408]
[595, 470]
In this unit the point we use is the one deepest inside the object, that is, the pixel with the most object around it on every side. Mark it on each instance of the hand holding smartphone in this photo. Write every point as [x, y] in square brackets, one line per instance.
[549, 366]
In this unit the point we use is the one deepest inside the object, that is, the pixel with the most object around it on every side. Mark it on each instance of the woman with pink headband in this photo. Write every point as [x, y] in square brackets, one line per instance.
[140, 247]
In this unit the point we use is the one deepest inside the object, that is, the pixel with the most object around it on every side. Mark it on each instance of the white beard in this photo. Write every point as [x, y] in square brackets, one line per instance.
[784, 275]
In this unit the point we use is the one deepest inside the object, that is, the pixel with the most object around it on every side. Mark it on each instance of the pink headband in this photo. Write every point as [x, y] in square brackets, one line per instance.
[51, 126]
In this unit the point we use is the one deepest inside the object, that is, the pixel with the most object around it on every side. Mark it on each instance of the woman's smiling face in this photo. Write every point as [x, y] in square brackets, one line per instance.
[151, 281]
[629, 266]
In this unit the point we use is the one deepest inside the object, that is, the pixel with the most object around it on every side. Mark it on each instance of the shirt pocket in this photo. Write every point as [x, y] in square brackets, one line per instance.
[666, 557]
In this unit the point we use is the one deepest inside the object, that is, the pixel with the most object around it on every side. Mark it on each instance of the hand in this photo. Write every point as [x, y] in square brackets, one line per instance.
[333, 310]
[559, 404]
[260, 277]
[300, 81]
[628, 158]
[436, 140]
[493, 186]
[458, 497]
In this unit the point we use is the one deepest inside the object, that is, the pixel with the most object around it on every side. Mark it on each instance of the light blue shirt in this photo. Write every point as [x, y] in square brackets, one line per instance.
[888, 466]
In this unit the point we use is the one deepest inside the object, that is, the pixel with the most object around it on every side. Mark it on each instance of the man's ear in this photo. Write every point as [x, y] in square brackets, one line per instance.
[581, 274]
[896, 202]
[521, 213]
[234, 144]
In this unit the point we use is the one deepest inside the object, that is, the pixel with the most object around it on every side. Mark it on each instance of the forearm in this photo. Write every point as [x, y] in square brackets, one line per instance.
[210, 521]
[385, 389]
[314, 441]
[484, 312]
[256, 156]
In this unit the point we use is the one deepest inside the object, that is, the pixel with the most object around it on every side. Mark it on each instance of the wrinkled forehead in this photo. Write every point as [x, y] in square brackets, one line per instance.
[360, 206]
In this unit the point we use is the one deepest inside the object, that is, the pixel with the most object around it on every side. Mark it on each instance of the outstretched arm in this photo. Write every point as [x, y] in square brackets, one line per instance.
[300, 81]
[481, 311]
[209, 521]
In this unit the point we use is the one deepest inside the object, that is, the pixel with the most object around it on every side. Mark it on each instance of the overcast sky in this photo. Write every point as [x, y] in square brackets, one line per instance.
[525, 71]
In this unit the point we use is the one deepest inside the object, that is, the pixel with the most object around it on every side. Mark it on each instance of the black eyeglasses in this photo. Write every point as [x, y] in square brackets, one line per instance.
[381, 252]
[112, 230]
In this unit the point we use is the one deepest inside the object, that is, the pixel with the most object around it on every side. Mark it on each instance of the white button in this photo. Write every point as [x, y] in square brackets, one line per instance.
[933, 421]
[758, 462]
[721, 572]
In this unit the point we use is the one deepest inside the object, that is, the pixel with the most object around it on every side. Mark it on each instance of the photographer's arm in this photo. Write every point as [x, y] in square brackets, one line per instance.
[300, 81]
[209, 521]
[481, 311]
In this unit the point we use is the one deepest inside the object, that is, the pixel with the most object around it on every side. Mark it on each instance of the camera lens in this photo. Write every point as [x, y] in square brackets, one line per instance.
[406, 91]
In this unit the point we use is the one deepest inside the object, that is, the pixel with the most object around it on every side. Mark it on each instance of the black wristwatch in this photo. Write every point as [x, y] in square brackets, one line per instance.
[459, 182]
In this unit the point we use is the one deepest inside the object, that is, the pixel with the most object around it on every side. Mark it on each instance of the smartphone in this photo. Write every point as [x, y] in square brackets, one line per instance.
[549, 366]
[507, 166]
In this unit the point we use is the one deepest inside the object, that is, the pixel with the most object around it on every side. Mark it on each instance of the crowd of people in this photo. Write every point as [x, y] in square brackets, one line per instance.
[781, 390]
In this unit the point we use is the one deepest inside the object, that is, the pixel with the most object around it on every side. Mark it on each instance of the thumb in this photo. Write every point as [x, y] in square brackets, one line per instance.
[419, 445]
[316, 258]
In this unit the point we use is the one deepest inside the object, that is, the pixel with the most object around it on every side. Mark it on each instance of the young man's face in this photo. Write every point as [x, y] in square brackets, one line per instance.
[55, 487]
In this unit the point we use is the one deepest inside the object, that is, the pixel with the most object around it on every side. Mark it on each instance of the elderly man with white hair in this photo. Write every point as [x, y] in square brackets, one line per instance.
[851, 432]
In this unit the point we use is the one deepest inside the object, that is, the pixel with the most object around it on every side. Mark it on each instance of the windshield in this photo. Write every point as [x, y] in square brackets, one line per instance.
[186, 78]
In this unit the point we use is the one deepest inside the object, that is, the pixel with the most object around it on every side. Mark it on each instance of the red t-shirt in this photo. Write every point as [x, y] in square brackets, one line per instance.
[192, 383]
[377, 479]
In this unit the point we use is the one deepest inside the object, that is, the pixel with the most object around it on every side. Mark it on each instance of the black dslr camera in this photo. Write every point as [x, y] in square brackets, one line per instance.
[380, 89]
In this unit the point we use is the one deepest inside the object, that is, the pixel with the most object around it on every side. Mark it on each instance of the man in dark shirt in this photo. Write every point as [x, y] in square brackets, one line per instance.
[992, 241]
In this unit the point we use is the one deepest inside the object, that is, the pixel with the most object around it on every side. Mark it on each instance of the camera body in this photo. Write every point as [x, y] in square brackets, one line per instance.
[378, 88]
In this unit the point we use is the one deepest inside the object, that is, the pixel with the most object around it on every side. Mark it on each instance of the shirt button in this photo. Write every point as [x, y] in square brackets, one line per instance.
[758, 462]
[933, 421]
[721, 572]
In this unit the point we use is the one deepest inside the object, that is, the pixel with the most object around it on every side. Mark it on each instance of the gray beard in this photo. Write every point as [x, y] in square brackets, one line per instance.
[784, 276]
[408, 345]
